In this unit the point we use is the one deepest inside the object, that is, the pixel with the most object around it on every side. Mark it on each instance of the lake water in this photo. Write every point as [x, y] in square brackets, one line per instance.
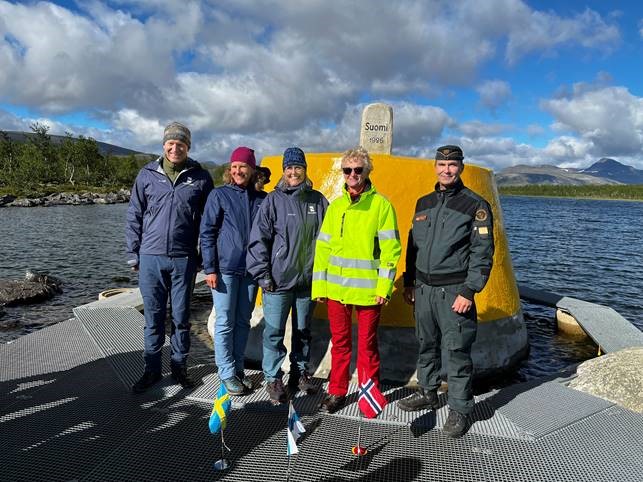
[586, 249]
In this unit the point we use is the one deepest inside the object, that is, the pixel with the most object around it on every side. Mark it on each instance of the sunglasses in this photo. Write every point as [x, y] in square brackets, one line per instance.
[347, 170]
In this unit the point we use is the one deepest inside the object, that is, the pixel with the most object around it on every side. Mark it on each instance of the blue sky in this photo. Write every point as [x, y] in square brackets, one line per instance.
[512, 82]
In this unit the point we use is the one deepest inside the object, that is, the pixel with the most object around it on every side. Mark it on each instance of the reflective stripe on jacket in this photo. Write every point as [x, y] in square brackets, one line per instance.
[357, 250]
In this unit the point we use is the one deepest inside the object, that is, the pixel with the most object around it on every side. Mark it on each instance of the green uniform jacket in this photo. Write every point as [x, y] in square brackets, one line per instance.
[357, 250]
[451, 240]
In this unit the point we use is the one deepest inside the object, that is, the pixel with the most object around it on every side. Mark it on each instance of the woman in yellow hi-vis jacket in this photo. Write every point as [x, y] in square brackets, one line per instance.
[356, 255]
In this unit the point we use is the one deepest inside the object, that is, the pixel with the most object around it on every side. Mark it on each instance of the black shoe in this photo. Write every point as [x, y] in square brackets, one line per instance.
[246, 381]
[420, 400]
[332, 403]
[146, 381]
[234, 386]
[303, 382]
[456, 425]
[180, 375]
[277, 391]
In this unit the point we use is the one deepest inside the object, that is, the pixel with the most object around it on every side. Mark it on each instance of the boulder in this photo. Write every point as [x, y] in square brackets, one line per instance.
[34, 288]
[6, 199]
[616, 377]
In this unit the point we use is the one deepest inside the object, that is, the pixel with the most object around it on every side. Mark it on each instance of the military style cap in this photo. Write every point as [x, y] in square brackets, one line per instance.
[449, 153]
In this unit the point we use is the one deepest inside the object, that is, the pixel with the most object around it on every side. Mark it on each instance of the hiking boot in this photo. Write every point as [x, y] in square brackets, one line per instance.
[304, 383]
[146, 381]
[180, 375]
[246, 381]
[234, 386]
[277, 391]
[420, 400]
[456, 425]
[332, 403]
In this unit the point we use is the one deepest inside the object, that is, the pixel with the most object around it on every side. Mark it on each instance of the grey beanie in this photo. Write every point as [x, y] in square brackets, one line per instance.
[178, 132]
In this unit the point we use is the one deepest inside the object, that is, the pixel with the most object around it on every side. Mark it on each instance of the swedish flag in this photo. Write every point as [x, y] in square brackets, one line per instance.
[219, 410]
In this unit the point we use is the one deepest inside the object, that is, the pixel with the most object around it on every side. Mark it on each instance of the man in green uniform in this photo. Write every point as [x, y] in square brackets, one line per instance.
[448, 259]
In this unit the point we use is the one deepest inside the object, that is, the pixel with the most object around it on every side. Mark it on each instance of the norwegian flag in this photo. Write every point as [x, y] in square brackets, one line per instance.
[371, 401]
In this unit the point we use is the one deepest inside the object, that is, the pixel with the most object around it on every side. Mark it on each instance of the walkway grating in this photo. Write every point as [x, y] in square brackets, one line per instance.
[75, 419]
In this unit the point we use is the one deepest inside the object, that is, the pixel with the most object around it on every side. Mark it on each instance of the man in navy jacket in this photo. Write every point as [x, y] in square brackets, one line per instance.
[162, 231]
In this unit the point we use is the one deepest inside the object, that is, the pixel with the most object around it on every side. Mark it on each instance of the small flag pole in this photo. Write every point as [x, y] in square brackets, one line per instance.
[222, 463]
[288, 428]
[358, 450]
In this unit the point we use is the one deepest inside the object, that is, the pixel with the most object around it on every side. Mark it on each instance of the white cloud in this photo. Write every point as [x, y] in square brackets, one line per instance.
[494, 93]
[608, 119]
[272, 73]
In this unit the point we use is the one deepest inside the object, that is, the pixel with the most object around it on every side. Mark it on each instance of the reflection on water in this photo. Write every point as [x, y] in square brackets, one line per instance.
[583, 249]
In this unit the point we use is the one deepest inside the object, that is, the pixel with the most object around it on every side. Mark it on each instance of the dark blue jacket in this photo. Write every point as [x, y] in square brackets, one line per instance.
[163, 217]
[282, 241]
[225, 228]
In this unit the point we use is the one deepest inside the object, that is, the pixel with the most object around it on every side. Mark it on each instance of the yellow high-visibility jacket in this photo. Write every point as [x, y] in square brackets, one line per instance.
[357, 250]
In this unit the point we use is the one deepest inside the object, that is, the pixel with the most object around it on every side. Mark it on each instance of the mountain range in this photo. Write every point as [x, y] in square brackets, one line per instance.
[103, 147]
[604, 171]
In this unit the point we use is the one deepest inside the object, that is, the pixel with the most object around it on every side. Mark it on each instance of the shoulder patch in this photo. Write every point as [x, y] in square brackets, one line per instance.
[481, 215]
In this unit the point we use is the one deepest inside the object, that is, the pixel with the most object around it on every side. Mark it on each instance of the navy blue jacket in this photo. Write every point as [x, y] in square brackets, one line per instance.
[163, 217]
[225, 228]
[282, 241]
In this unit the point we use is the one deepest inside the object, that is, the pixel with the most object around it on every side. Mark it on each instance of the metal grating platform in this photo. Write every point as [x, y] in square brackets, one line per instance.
[74, 419]
[603, 324]
[545, 408]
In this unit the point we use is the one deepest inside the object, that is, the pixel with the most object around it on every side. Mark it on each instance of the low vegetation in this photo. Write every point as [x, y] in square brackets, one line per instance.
[619, 191]
[39, 167]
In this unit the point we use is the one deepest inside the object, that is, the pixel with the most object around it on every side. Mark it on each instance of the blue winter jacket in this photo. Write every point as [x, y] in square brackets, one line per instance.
[163, 217]
[282, 241]
[225, 228]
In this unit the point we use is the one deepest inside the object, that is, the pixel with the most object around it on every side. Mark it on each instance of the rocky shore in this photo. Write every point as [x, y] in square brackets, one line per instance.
[67, 198]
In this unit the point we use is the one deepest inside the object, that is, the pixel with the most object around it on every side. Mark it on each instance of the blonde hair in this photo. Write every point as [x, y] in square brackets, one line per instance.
[358, 154]
[227, 176]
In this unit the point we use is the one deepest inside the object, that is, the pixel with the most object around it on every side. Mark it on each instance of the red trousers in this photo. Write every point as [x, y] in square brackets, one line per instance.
[341, 331]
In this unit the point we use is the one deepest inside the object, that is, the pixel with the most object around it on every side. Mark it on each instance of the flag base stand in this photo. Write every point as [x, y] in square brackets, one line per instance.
[359, 450]
[222, 464]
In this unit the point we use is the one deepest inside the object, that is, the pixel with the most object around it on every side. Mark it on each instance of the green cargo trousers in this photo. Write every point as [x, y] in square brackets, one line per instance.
[443, 332]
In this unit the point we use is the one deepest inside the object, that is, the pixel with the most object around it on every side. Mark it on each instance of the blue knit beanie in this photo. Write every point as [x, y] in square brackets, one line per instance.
[294, 156]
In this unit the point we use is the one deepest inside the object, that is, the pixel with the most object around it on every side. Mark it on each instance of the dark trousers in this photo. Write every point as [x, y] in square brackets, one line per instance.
[160, 278]
[443, 332]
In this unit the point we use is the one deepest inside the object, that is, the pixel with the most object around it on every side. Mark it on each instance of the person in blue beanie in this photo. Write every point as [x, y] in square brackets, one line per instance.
[280, 257]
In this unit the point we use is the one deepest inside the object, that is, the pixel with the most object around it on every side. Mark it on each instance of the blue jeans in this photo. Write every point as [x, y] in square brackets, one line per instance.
[160, 278]
[276, 307]
[234, 300]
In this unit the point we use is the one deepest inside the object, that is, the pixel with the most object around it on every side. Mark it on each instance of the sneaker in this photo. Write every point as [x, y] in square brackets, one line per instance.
[180, 375]
[246, 381]
[420, 400]
[276, 390]
[146, 381]
[456, 425]
[332, 403]
[234, 386]
[304, 383]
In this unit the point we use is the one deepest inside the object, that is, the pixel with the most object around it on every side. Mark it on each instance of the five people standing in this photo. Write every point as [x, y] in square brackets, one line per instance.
[280, 258]
[250, 239]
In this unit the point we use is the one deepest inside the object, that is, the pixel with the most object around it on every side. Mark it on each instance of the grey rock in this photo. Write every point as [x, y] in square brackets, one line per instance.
[617, 377]
[34, 288]
[6, 199]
